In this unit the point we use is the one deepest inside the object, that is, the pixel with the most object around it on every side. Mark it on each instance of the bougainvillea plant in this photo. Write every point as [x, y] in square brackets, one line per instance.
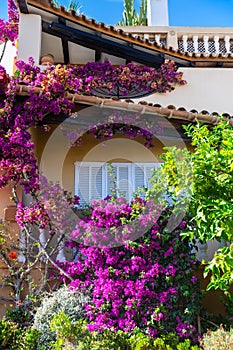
[53, 84]
[146, 282]
[47, 95]
[9, 28]
[131, 270]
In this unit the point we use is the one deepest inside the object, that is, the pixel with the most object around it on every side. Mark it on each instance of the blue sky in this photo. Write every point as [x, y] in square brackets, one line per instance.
[181, 12]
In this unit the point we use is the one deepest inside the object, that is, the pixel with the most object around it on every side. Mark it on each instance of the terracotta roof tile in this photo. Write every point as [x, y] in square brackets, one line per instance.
[142, 107]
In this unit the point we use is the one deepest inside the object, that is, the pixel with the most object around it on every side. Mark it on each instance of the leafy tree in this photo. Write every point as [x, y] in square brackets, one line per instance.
[211, 189]
[131, 17]
[212, 203]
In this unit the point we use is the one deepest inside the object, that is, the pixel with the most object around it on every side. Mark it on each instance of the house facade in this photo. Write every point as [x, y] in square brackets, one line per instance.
[203, 55]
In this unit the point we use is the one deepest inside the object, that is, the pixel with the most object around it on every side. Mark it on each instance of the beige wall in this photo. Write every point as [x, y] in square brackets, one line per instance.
[57, 163]
[7, 205]
[206, 89]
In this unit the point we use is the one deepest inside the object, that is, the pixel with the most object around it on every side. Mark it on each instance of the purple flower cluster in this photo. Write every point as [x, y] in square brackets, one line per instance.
[130, 124]
[96, 76]
[142, 283]
[4, 79]
[120, 80]
[35, 214]
[9, 29]
[115, 222]
[18, 163]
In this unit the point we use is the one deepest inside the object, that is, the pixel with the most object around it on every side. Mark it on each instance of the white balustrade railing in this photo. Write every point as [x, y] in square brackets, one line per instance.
[200, 40]
[216, 43]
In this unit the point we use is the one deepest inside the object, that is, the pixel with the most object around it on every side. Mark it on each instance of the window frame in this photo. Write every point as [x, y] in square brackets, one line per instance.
[104, 166]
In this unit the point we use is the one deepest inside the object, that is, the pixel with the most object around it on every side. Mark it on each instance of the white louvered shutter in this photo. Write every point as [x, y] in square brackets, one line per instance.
[138, 176]
[96, 182]
[82, 178]
[123, 180]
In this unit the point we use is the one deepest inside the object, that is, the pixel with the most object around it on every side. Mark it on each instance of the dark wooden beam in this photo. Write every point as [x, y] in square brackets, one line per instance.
[94, 42]
[65, 47]
[98, 53]
[65, 44]
[23, 7]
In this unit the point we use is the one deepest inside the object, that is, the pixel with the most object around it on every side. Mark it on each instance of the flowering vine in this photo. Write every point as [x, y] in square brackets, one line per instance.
[48, 93]
[9, 28]
[146, 282]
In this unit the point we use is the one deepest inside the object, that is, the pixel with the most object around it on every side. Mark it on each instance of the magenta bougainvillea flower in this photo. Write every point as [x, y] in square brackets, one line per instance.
[146, 283]
[9, 28]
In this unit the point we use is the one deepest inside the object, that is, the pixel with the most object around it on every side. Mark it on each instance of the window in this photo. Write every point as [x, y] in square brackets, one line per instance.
[93, 179]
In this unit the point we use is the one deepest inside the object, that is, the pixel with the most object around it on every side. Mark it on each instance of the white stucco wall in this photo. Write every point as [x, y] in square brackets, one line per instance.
[29, 37]
[208, 89]
[8, 58]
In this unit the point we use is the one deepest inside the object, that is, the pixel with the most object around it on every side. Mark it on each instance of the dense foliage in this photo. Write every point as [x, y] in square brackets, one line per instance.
[212, 202]
[146, 281]
[76, 336]
[211, 193]
[13, 337]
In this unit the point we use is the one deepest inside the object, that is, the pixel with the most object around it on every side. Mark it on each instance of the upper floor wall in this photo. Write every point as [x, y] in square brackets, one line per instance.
[207, 90]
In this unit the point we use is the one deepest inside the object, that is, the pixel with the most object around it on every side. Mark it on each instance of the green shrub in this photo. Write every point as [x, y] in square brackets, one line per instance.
[75, 336]
[28, 339]
[139, 340]
[171, 342]
[9, 333]
[71, 302]
[12, 337]
[218, 340]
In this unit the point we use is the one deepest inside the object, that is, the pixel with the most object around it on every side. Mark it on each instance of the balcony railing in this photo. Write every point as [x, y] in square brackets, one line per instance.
[193, 40]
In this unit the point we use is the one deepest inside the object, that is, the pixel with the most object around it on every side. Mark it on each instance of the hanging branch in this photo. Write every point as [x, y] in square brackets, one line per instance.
[3, 51]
